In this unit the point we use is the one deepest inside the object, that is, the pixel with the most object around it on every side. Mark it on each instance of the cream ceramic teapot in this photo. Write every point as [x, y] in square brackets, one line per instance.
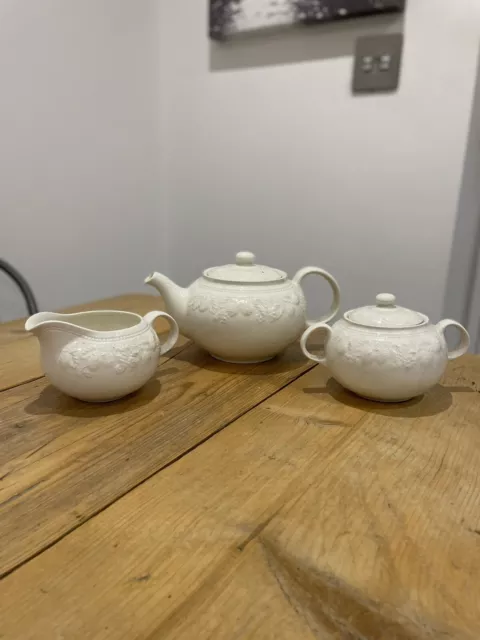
[98, 356]
[386, 352]
[242, 312]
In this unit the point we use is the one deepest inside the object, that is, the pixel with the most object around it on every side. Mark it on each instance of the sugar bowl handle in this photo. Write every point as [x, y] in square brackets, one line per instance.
[173, 333]
[464, 338]
[303, 341]
[306, 271]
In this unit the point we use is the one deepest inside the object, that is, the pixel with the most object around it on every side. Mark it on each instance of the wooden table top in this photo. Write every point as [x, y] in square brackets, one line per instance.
[236, 502]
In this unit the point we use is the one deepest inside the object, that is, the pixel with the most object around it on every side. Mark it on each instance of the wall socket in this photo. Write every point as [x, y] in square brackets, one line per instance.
[377, 63]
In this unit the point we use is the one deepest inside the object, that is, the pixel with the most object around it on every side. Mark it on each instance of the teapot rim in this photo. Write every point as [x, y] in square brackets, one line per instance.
[242, 283]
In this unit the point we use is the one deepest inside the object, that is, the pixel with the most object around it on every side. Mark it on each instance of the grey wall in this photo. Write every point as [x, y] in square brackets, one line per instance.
[117, 112]
[269, 151]
[462, 300]
[80, 189]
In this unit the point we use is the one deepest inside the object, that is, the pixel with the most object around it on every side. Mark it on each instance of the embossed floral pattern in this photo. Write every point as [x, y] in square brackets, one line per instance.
[363, 347]
[386, 365]
[88, 356]
[221, 309]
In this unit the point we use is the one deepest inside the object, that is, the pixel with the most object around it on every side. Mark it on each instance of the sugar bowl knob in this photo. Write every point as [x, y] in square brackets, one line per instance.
[245, 259]
[386, 300]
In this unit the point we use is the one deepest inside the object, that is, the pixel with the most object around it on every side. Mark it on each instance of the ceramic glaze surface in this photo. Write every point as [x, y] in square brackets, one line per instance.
[392, 367]
[386, 363]
[100, 365]
[242, 312]
[245, 328]
[261, 309]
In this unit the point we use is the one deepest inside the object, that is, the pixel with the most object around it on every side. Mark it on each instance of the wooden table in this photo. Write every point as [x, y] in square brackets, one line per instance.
[228, 502]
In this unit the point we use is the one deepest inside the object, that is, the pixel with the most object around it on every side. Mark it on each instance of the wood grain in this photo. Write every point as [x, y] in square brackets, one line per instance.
[315, 515]
[20, 360]
[62, 460]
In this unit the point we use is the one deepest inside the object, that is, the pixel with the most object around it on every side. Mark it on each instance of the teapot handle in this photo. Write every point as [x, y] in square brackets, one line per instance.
[303, 341]
[306, 271]
[172, 337]
[464, 338]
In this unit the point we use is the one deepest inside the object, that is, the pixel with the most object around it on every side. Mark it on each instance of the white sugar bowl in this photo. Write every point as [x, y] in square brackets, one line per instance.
[386, 352]
[98, 356]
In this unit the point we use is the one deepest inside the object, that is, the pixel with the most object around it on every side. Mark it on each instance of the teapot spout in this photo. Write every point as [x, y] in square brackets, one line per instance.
[175, 297]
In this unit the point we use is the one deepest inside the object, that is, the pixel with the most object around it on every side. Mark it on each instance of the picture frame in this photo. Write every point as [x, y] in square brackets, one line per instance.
[230, 17]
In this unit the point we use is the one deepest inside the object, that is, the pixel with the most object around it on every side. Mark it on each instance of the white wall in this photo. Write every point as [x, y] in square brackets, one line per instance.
[269, 151]
[80, 192]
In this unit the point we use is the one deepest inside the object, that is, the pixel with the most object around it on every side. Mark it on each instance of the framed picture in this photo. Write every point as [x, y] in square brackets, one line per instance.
[228, 17]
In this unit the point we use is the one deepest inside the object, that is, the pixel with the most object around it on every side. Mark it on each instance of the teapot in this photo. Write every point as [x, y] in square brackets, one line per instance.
[242, 312]
[98, 356]
[386, 352]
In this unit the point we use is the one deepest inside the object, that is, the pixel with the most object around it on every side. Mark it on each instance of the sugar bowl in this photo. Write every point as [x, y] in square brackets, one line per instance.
[386, 352]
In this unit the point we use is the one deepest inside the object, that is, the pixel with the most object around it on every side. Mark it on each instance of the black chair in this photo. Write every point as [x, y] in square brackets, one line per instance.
[22, 285]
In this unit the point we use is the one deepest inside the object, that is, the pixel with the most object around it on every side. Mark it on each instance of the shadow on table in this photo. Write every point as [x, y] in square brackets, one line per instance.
[50, 401]
[290, 360]
[436, 401]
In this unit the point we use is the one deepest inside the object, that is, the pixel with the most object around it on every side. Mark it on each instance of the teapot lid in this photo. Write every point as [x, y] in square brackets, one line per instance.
[245, 271]
[386, 314]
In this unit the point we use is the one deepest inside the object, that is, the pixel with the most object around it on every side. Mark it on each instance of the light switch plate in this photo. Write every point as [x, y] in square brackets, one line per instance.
[379, 76]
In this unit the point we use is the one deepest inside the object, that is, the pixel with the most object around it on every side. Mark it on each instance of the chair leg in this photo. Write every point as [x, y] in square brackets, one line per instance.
[22, 285]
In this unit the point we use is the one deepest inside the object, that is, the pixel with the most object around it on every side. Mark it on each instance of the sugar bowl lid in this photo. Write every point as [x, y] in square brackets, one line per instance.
[386, 314]
[245, 271]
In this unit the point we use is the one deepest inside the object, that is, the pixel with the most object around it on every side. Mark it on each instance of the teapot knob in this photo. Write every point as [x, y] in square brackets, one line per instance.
[386, 300]
[245, 258]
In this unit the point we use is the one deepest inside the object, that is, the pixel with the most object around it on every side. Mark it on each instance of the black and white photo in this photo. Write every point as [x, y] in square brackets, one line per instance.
[228, 17]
